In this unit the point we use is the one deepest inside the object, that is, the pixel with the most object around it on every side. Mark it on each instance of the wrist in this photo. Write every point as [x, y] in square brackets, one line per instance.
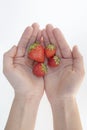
[59, 100]
[23, 113]
[65, 114]
[27, 99]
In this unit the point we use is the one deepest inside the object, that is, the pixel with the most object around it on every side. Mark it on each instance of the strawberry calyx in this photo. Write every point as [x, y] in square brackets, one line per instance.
[39, 69]
[33, 46]
[57, 59]
[51, 47]
[54, 61]
[44, 67]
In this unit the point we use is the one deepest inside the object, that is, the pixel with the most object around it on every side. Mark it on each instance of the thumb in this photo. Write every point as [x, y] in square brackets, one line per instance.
[8, 58]
[77, 59]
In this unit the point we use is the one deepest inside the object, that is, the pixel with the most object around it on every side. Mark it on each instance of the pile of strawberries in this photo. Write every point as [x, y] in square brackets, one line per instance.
[38, 53]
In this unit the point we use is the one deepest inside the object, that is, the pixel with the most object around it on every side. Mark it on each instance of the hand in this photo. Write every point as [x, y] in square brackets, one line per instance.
[64, 80]
[18, 68]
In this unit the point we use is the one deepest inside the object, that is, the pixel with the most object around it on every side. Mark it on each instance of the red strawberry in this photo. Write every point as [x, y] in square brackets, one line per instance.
[53, 61]
[36, 52]
[50, 50]
[39, 69]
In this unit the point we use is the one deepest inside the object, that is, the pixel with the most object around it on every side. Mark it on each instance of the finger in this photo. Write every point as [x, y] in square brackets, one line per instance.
[33, 38]
[24, 41]
[45, 37]
[64, 47]
[38, 36]
[78, 64]
[8, 59]
[49, 30]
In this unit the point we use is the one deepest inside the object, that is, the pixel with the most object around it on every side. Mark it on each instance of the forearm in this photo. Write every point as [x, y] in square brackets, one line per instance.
[66, 115]
[23, 114]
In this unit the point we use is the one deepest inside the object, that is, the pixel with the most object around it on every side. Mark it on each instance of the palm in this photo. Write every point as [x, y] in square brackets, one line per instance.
[23, 66]
[64, 79]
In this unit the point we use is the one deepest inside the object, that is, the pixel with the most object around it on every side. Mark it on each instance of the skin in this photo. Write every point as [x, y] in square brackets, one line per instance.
[28, 88]
[63, 82]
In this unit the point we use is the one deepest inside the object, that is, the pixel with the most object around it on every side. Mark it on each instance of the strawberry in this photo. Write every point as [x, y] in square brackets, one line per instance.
[39, 69]
[50, 50]
[36, 52]
[53, 61]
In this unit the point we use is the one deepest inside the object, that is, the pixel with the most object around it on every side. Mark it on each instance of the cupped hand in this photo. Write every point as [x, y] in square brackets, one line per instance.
[64, 80]
[17, 66]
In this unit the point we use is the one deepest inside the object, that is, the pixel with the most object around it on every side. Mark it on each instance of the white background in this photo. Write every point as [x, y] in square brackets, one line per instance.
[70, 16]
